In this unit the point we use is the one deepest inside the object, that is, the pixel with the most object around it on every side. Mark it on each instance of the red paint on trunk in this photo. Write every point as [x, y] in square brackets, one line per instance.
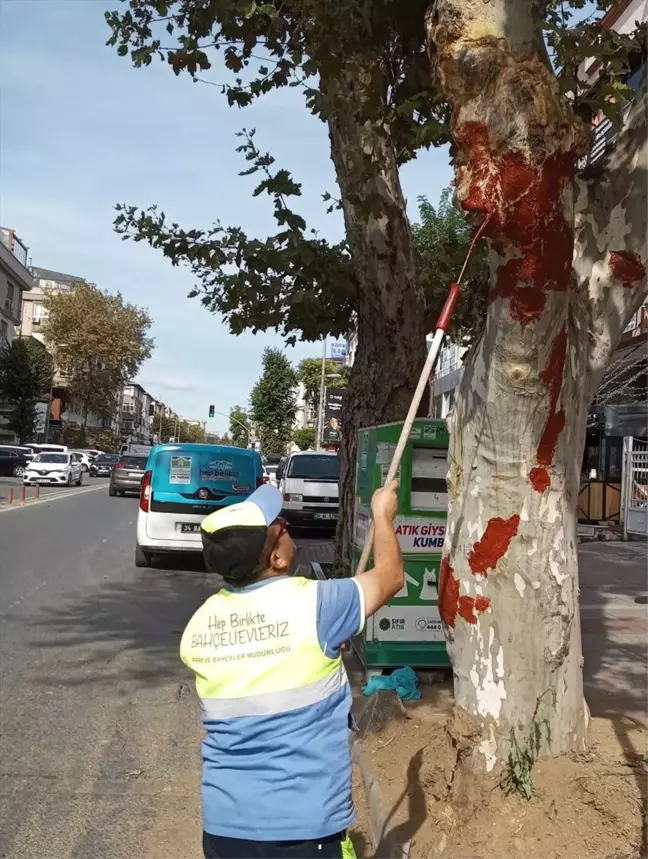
[451, 604]
[552, 377]
[470, 607]
[539, 477]
[494, 544]
[528, 224]
[627, 267]
[448, 593]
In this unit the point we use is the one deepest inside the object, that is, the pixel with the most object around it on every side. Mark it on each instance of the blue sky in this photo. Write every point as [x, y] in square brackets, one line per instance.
[81, 130]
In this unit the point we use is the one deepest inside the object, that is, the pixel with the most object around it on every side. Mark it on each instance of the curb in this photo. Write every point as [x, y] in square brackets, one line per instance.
[385, 846]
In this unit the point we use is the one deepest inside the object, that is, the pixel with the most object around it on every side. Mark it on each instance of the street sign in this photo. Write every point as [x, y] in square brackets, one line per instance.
[42, 410]
[338, 351]
[333, 414]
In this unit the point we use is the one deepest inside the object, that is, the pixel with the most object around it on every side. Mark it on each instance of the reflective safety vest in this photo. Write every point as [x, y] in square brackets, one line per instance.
[257, 652]
[276, 756]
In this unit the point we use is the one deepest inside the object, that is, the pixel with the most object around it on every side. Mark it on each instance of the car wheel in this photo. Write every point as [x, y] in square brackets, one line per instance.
[112, 491]
[84, 467]
[142, 558]
[19, 471]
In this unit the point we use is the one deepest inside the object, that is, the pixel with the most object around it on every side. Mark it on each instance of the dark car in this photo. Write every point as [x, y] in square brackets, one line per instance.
[13, 462]
[103, 465]
[127, 474]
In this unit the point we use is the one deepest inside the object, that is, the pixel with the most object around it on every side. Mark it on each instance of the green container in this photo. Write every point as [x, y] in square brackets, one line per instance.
[407, 631]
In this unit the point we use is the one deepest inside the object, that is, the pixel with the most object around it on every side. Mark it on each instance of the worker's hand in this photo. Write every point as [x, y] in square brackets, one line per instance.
[384, 503]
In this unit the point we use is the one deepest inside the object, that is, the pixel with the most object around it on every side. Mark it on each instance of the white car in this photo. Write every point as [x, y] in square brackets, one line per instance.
[59, 469]
[84, 458]
[271, 472]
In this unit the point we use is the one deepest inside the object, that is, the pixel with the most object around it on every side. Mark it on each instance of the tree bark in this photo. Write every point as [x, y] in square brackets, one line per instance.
[509, 580]
[391, 317]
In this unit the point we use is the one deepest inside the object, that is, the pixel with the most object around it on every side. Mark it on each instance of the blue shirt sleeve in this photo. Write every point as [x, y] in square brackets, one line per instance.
[340, 613]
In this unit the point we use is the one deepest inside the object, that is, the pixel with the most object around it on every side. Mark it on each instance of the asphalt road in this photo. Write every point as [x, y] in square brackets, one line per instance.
[99, 727]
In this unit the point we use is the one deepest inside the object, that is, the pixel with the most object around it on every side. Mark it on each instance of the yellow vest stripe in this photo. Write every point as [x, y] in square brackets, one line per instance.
[271, 703]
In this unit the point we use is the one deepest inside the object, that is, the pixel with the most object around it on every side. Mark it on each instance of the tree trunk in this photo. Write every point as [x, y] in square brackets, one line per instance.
[509, 579]
[390, 322]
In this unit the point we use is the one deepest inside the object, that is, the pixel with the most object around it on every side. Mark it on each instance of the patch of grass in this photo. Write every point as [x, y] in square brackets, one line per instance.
[517, 777]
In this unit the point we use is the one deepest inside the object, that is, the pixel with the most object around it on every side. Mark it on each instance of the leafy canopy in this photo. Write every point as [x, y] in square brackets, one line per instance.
[272, 402]
[293, 281]
[304, 438]
[26, 373]
[99, 340]
[309, 373]
[239, 421]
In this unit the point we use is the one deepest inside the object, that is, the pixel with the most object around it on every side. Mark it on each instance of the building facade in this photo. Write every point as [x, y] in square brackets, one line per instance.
[16, 281]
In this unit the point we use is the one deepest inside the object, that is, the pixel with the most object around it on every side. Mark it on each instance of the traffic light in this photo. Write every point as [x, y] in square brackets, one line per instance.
[212, 411]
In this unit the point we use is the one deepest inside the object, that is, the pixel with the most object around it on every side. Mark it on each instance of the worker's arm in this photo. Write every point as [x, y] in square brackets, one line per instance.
[386, 578]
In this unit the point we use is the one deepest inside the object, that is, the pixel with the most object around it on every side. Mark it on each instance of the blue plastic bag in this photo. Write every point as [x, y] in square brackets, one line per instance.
[403, 681]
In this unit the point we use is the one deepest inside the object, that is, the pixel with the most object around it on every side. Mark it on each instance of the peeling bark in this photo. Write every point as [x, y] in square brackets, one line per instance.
[391, 320]
[611, 247]
[517, 431]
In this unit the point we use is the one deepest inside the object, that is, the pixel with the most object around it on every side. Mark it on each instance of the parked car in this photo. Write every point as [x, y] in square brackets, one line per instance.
[127, 475]
[55, 468]
[92, 452]
[18, 448]
[103, 465]
[308, 481]
[13, 462]
[48, 448]
[83, 457]
[271, 470]
[184, 483]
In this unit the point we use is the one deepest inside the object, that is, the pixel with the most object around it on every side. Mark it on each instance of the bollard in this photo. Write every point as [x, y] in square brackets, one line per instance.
[10, 495]
[36, 492]
[22, 494]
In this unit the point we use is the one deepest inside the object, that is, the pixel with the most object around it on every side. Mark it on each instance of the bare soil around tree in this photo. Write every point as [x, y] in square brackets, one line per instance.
[590, 806]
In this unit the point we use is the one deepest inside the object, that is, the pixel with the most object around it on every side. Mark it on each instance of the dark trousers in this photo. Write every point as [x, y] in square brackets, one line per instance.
[219, 847]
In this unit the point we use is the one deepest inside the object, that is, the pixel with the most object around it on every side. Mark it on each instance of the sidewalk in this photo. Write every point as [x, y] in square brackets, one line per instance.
[615, 628]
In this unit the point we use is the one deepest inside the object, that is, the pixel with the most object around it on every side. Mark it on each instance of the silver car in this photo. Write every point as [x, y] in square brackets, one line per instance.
[127, 474]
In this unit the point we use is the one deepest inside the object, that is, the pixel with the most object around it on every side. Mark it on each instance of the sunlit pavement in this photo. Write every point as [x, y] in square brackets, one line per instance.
[100, 733]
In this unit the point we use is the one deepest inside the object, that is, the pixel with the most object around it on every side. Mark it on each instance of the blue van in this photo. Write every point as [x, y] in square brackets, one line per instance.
[184, 483]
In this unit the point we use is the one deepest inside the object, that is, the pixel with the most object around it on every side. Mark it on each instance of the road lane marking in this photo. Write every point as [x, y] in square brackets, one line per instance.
[5, 508]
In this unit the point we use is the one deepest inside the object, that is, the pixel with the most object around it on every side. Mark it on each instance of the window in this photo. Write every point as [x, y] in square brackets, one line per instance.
[315, 467]
[4, 330]
[10, 293]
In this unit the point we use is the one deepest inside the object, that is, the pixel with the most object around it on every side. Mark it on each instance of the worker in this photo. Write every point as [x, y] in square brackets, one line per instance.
[274, 695]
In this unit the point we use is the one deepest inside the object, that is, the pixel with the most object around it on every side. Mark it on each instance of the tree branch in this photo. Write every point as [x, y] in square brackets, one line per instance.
[611, 245]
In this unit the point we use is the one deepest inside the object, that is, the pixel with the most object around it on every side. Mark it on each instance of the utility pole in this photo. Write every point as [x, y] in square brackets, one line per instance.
[320, 416]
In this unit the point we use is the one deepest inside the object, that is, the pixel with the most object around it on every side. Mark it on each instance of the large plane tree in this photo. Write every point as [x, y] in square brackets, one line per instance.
[389, 78]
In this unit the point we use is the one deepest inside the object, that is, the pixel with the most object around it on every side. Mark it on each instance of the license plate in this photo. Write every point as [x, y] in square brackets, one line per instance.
[326, 516]
[134, 474]
[188, 527]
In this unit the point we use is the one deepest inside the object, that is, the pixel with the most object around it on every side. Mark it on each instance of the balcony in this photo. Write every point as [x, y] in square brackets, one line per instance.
[11, 241]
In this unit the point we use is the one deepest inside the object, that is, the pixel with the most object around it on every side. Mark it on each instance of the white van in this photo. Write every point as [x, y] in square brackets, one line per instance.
[308, 481]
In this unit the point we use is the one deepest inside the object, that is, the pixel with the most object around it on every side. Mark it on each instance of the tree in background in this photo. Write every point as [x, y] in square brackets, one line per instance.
[309, 373]
[272, 402]
[26, 373]
[441, 238]
[100, 341]
[239, 420]
[178, 428]
[304, 438]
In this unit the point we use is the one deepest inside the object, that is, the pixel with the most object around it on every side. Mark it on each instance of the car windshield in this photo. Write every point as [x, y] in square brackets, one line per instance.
[107, 459]
[315, 467]
[134, 462]
[52, 457]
